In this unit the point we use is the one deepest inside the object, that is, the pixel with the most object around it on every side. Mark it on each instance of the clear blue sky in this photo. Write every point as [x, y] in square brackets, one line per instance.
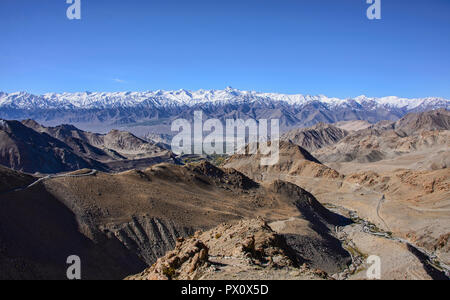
[291, 46]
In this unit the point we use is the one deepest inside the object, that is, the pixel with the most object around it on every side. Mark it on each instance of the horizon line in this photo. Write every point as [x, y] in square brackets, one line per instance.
[220, 90]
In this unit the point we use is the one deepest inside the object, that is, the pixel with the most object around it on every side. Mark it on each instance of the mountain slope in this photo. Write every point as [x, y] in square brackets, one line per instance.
[118, 143]
[10, 180]
[428, 121]
[31, 147]
[316, 137]
[24, 149]
[413, 205]
[293, 161]
[415, 133]
[248, 250]
[352, 125]
[120, 224]
[90, 100]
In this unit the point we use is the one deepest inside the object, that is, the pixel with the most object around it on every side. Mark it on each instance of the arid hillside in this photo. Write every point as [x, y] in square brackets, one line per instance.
[119, 224]
[352, 125]
[293, 160]
[10, 180]
[382, 190]
[425, 135]
[30, 147]
[317, 137]
[427, 121]
[247, 250]
[408, 204]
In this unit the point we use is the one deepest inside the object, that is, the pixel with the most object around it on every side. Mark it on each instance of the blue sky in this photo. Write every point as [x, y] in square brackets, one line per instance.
[291, 46]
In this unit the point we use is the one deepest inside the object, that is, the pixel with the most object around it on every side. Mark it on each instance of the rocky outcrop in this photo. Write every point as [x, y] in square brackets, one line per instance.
[185, 262]
[214, 253]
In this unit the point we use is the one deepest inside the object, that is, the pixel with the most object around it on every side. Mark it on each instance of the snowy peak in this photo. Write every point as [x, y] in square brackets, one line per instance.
[101, 100]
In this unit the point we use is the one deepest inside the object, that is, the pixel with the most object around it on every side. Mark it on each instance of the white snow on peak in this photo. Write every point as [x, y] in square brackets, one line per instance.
[160, 98]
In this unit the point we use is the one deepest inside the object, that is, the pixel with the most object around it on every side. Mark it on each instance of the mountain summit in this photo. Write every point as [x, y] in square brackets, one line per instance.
[90, 100]
[152, 112]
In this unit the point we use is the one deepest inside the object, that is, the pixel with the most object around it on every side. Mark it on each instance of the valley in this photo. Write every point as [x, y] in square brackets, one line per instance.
[184, 218]
[225, 148]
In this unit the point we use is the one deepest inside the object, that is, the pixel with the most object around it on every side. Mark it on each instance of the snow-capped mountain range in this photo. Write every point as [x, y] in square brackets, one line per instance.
[152, 112]
[98, 100]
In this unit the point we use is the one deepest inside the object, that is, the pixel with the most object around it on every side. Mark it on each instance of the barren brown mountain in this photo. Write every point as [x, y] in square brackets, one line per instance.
[319, 136]
[427, 121]
[24, 149]
[416, 205]
[31, 147]
[119, 224]
[383, 191]
[247, 250]
[293, 160]
[421, 134]
[406, 198]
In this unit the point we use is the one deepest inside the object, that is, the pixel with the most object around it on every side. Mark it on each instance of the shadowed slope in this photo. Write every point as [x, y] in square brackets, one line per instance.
[133, 218]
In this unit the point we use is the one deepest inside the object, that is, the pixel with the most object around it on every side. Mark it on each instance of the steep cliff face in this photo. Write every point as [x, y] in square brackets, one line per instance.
[149, 237]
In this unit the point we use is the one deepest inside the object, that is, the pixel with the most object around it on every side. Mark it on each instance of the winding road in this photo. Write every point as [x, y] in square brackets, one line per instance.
[380, 203]
[93, 172]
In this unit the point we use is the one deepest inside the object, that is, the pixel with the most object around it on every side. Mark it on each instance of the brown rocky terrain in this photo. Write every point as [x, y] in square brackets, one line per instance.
[24, 149]
[248, 249]
[30, 147]
[427, 121]
[352, 125]
[293, 160]
[115, 144]
[415, 134]
[317, 137]
[416, 205]
[10, 180]
[391, 179]
[411, 204]
[121, 223]
[371, 147]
